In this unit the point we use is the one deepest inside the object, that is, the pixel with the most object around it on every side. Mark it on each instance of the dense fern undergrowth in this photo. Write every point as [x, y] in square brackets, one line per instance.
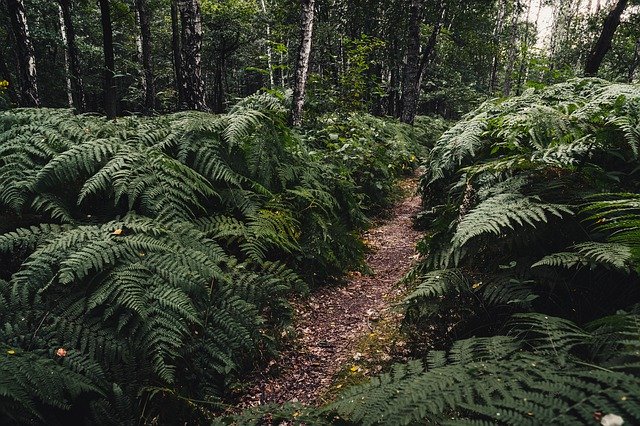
[146, 263]
[525, 306]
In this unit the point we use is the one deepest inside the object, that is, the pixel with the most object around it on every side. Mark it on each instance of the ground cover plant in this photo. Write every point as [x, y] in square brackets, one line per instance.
[524, 307]
[529, 265]
[147, 262]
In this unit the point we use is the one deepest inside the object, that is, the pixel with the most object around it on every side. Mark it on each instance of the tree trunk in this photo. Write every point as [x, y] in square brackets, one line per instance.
[191, 55]
[67, 71]
[145, 37]
[304, 55]
[410, 91]
[26, 55]
[603, 44]
[268, 43]
[71, 52]
[175, 46]
[513, 50]
[428, 52]
[497, 34]
[522, 71]
[414, 72]
[109, 61]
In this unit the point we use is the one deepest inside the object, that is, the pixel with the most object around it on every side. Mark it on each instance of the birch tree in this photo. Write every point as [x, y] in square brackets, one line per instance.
[25, 54]
[109, 89]
[304, 55]
[72, 57]
[144, 18]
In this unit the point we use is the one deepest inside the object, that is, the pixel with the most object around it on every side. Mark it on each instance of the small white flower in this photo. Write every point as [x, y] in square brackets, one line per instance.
[612, 420]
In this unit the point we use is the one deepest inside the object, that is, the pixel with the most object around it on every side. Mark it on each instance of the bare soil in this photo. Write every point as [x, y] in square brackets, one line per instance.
[330, 323]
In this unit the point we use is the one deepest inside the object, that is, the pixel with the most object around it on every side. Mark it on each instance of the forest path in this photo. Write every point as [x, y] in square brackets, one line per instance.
[330, 323]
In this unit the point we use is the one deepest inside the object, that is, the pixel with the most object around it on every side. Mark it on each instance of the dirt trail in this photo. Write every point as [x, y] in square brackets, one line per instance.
[332, 320]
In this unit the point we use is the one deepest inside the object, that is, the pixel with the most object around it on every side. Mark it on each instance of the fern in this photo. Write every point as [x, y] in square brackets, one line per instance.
[493, 380]
[504, 211]
[611, 255]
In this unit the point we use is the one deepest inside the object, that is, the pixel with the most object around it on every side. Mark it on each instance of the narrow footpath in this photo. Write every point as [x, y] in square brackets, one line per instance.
[333, 319]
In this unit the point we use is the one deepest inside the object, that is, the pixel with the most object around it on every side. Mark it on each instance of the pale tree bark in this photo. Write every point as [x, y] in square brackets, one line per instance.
[74, 77]
[67, 72]
[603, 44]
[25, 53]
[410, 91]
[191, 54]
[497, 33]
[268, 44]
[148, 86]
[304, 55]
[110, 101]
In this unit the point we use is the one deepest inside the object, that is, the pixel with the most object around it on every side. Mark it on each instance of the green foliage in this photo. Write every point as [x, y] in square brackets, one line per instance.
[148, 261]
[370, 151]
[529, 273]
[493, 380]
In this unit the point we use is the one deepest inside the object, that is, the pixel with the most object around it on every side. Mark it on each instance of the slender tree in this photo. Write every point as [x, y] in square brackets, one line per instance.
[109, 61]
[191, 55]
[144, 18]
[411, 77]
[514, 44]
[418, 58]
[71, 54]
[268, 44]
[603, 44]
[304, 56]
[497, 34]
[67, 72]
[25, 53]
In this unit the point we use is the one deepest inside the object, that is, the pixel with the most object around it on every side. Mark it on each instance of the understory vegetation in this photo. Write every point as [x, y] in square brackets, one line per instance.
[148, 262]
[525, 306]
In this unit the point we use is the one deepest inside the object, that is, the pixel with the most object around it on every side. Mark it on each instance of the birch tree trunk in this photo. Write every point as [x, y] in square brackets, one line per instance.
[67, 72]
[603, 44]
[71, 54]
[191, 55]
[268, 45]
[109, 61]
[304, 55]
[497, 34]
[25, 53]
[142, 8]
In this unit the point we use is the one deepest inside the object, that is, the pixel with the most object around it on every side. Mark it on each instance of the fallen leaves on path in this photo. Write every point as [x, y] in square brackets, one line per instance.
[331, 321]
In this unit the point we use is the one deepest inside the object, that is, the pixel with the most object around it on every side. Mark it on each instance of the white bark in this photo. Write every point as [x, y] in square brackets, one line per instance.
[304, 55]
[268, 43]
[67, 71]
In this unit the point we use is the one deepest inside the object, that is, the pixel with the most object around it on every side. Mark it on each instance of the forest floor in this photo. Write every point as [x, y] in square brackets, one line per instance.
[347, 332]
